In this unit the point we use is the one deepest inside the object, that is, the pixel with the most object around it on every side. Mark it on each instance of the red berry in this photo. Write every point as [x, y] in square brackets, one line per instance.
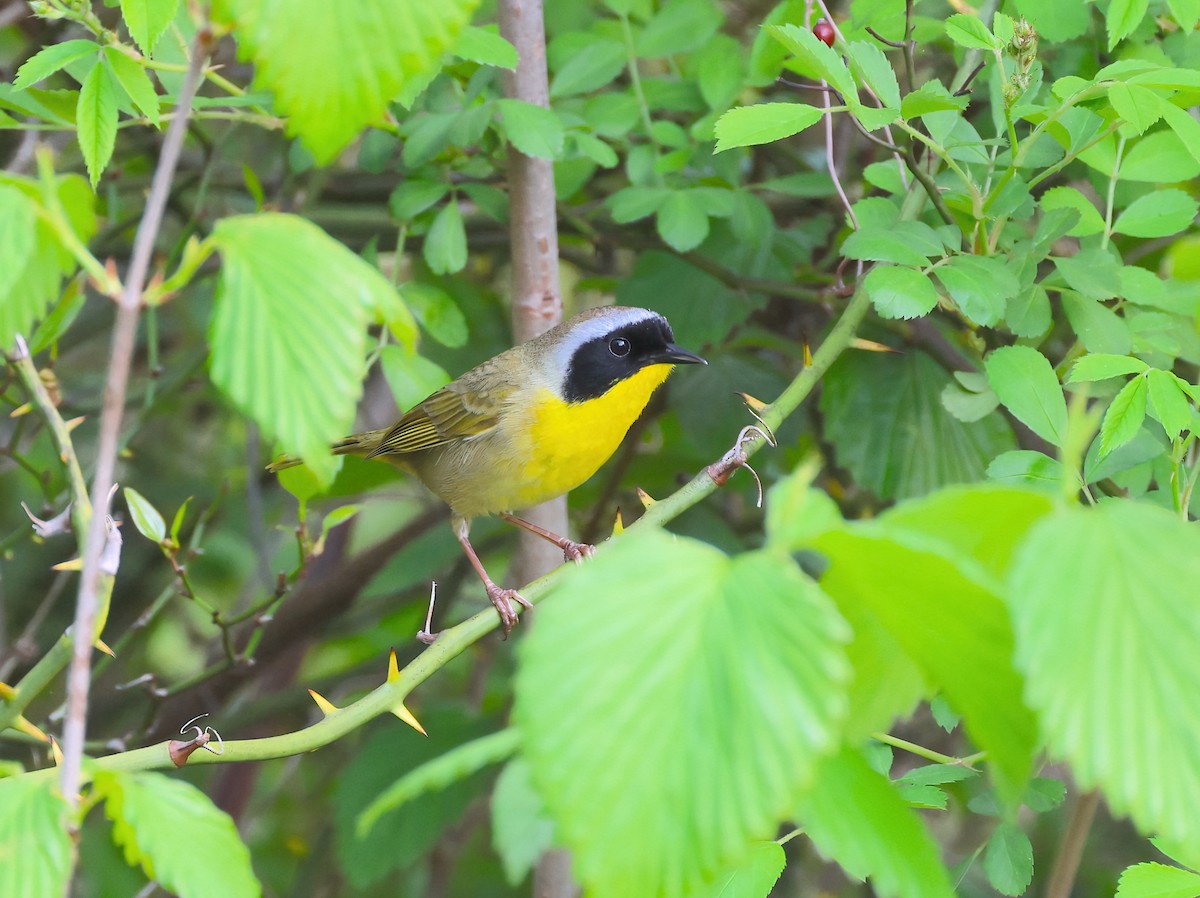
[824, 32]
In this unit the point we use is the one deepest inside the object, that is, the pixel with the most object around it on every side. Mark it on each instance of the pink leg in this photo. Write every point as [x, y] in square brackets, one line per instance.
[572, 551]
[502, 598]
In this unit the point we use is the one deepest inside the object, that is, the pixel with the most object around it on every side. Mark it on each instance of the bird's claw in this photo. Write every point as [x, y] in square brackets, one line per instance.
[503, 600]
[577, 552]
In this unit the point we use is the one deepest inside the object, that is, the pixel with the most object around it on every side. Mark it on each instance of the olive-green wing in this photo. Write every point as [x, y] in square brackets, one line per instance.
[445, 417]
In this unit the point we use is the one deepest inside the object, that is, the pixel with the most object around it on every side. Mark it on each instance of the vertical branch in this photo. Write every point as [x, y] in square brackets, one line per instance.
[533, 231]
[121, 356]
[536, 307]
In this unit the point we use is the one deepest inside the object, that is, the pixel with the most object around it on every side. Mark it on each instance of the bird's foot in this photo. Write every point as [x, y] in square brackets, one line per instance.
[721, 470]
[576, 552]
[503, 599]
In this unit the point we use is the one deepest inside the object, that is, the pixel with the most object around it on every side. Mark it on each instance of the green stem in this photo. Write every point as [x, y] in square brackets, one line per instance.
[635, 81]
[1112, 190]
[927, 753]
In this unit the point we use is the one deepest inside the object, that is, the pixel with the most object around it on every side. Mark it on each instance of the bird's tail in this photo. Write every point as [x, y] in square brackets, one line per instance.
[355, 444]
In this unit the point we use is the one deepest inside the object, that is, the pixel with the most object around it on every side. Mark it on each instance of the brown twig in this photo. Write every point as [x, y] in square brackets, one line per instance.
[1070, 852]
[116, 383]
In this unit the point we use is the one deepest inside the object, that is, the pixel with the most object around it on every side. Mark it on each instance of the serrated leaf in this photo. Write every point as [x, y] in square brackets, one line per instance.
[763, 123]
[855, 816]
[898, 292]
[1186, 13]
[521, 831]
[876, 70]
[16, 238]
[1158, 214]
[485, 47]
[1157, 881]
[1008, 860]
[821, 61]
[1106, 638]
[1090, 220]
[1093, 272]
[1124, 416]
[1168, 402]
[1139, 106]
[753, 877]
[96, 118]
[51, 59]
[289, 330]
[1098, 327]
[146, 518]
[1186, 128]
[147, 20]
[904, 243]
[643, 811]
[178, 836]
[952, 626]
[932, 96]
[335, 67]
[534, 130]
[884, 411]
[437, 312]
[1160, 158]
[1028, 313]
[1027, 386]
[682, 220]
[445, 247]
[1101, 366]
[34, 838]
[135, 82]
[969, 31]
[591, 68]
[1122, 17]
[979, 285]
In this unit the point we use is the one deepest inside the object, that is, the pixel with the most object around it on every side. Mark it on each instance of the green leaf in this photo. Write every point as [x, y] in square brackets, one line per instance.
[935, 605]
[763, 123]
[16, 239]
[969, 31]
[445, 248]
[1028, 313]
[904, 242]
[1028, 468]
[1186, 13]
[679, 26]
[1168, 402]
[411, 377]
[596, 65]
[819, 60]
[855, 816]
[33, 838]
[440, 772]
[1138, 106]
[335, 67]
[1101, 366]
[51, 59]
[521, 831]
[900, 292]
[1027, 386]
[534, 130]
[979, 285]
[883, 412]
[682, 220]
[146, 518]
[932, 96]
[1124, 416]
[1093, 272]
[1157, 214]
[876, 71]
[135, 82]
[412, 197]
[437, 312]
[96, 116]
[1008, 861]
[1090, 220]
[753, 877]
[634, 203]
[177, 835]
[289, 330]
[147, 20]
[1122, 17]
[1059, 21]
[61, 317]
[1159, 158]
[1098, 327]
[485, 47]
[643, 811]
[1158, 881]
[1186, 128]
[1106, 638]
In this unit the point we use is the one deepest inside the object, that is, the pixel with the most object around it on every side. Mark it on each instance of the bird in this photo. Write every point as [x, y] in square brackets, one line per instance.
[529, 425]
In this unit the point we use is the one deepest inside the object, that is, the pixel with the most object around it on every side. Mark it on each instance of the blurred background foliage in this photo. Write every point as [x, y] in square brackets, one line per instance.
[740, 251]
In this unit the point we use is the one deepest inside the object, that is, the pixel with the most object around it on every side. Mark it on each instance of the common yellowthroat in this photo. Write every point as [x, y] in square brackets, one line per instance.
[529, 424]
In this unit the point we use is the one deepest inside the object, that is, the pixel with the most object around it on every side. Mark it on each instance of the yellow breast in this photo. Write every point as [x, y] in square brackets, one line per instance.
[564, 444]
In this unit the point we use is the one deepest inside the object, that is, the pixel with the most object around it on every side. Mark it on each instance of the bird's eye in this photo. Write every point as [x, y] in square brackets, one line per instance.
[619, 347]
